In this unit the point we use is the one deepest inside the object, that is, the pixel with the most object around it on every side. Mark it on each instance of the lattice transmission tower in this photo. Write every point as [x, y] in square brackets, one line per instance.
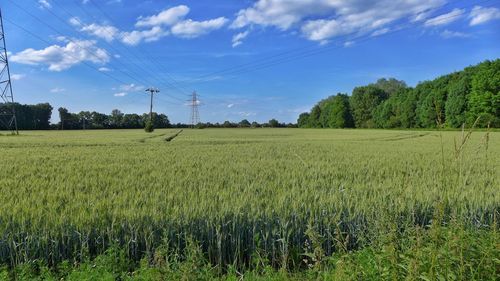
[8, 119]
[194, 103]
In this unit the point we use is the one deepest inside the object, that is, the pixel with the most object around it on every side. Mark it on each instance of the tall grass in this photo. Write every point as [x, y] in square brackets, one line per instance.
[289, 199]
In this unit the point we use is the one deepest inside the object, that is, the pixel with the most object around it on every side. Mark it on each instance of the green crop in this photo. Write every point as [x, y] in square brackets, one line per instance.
[288, 196]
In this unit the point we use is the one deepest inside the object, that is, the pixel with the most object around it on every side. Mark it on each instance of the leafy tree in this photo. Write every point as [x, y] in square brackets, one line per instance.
[339, 114]
[364, 100]
[315, 117]
[390, 86]
[116, 118]
[303, 121]
[484, 100]
[273, 123]
[456, 102]
[244, 124]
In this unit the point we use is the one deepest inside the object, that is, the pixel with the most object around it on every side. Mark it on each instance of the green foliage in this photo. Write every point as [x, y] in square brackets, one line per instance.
[303, 121]
[149, 126]
[450, 100]
[364, 100]
[484, 99]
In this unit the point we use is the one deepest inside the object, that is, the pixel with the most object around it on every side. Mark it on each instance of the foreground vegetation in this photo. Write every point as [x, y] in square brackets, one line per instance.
[266, 204]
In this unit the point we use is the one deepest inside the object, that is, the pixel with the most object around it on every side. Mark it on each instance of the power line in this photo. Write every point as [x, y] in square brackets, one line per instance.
[308, 51]
[130, 51]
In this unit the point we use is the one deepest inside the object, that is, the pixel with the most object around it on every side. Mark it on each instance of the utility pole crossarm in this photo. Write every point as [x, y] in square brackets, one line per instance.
[151, 91]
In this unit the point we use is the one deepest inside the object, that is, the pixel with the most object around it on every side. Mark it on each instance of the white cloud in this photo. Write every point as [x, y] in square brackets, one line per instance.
[247, 114]
[320, 20]
[16, 77]
[191, 29]
[480, 15]
[75, 21]
[166, 17]
[57, 90]
[445, 18]
[122, 94]
[230, 105]
[106, 32]
[104, 69]
[447, 34]
[44, 4]
[131, 88]
[238, 38]
[380, 32]
[135, 37]
[348, 44]
[60, 58]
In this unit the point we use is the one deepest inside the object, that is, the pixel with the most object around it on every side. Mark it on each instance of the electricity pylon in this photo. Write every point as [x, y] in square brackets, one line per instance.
[8, 119]
[195, 113]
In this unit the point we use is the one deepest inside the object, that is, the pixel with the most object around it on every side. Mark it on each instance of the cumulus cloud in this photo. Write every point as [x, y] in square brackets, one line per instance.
[16, 77]
[122, 94]
[445, 18]
[60, 58]
[135, 37]
[238, 38]
[106, 32]
[166, 17]
[481, 15]
[230, 105]
[320, 20]
[152, 28]
[191, 29]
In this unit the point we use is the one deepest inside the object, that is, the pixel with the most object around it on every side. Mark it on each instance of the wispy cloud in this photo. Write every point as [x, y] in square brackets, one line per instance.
[445, 19]
[480, 15]
[16, 77]
[447, 34]
[57, 90]
[238, 38]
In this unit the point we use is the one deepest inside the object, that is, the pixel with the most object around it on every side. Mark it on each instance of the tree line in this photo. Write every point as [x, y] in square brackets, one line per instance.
[451, 100]
[37, 117]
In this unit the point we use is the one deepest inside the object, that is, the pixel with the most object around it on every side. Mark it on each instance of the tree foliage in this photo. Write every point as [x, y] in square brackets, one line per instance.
[450, 100]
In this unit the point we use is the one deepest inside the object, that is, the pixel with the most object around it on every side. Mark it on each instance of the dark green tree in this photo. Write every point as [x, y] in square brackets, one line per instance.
[484, 99]
[363, 102]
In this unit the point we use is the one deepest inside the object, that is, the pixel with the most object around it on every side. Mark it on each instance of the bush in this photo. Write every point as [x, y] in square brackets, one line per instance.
[149, 128]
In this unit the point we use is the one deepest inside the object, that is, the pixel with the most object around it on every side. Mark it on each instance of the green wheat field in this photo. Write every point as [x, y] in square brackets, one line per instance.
[257, 204]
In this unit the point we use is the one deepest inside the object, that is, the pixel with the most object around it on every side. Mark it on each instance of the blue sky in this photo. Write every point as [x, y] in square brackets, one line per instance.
[252, 60]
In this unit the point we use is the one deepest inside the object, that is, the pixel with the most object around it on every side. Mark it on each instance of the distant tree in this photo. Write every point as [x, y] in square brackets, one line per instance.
[484, 99]
[273, 123]
[41, 114]
[244, 124]
[255, 124]
[116, 118]
[315, 117]
[390, 86]
[339, 113]
[456, 102]
[432, 99]
[303, 121]
[363, 102]
[227, 124]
